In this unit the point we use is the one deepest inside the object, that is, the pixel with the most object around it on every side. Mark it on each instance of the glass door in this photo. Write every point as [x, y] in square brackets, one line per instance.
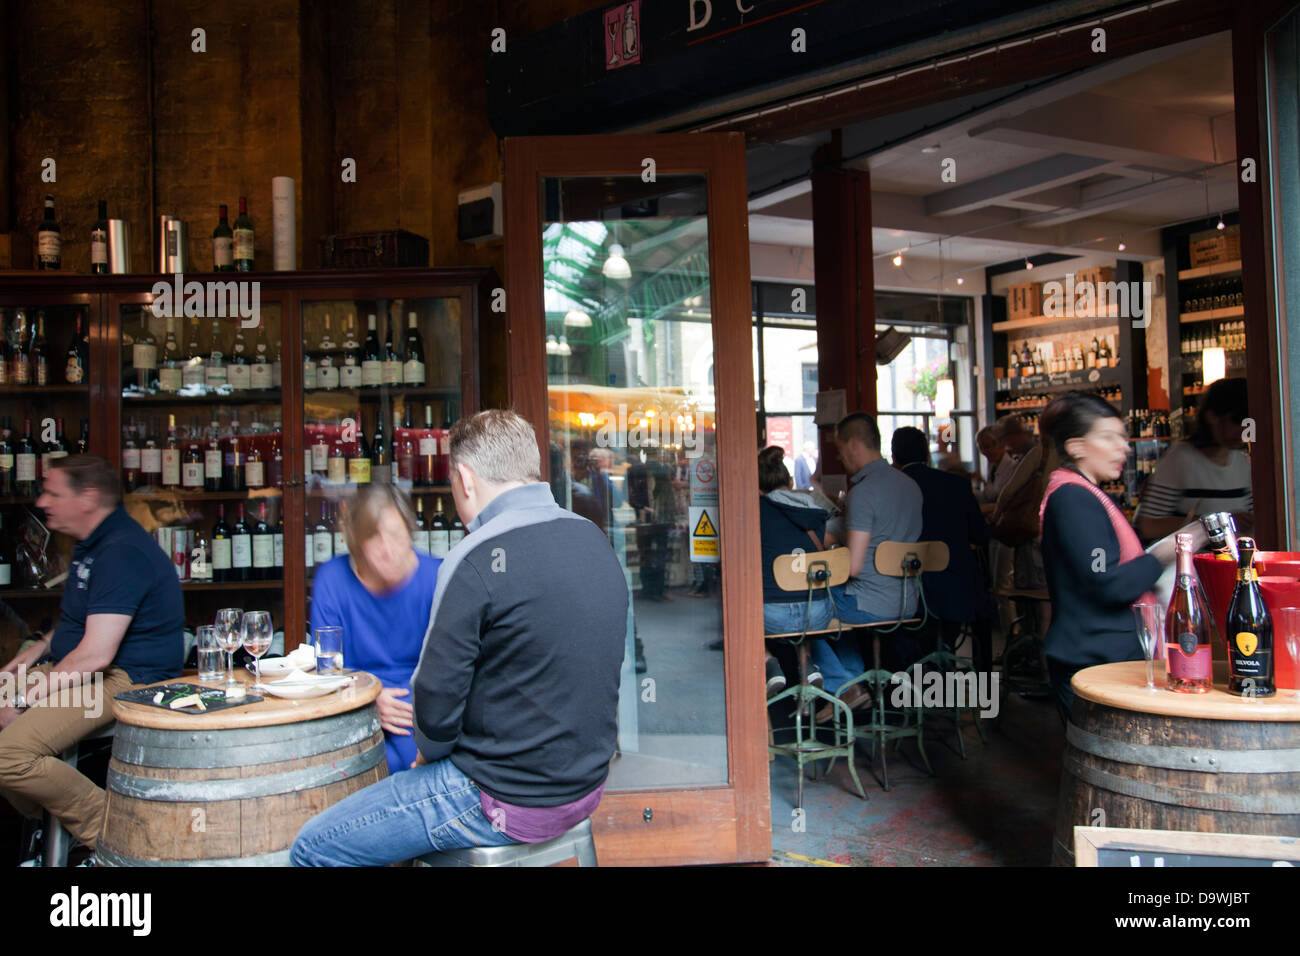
[630, 342]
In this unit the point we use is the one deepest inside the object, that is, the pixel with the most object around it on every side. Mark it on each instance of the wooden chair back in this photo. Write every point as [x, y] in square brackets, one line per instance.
[791, 570]
[932, 555]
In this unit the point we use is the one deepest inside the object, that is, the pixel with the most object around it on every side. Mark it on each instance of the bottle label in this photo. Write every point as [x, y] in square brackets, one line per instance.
[420, 540]
[169, 379]
[350, 376]
[263, 551]
[73, 372]
[359, 471]
[171, 466]
[25, 467]
[241, 551]
[337, 471]
[192, 374]
[1188, 659]
[98, 248]
[309, 374]
[6, 462]
[444, 444]
[439, 544]
[320, 457]
[192, 474]
[144, 356]
[1247, 643]
[239, 376]
[428, 446]
[221, 554]
[455, 536]
[340, 543]
[6, 575]
[259, 375]
[244, 244]
[393, 373]
[131, 459]
[151, 461]
[200, 570]
[49, 246]
[254, 474]
[42, 371]
[372, 373]
[22, 370]
[277, 551]
[214, 375]
[327, 376]
[223, 252]
[310, 550]
[413, 373]
[323, 547]
[212, 463]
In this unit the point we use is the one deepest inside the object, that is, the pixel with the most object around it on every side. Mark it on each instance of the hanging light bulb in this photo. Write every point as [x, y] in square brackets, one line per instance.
[1220, 224]
[577, 319]
[1122, 246]
[898, 258]
[563, 348]
[616, 266]
[552, 345]
[961, 281]
[1028, 264]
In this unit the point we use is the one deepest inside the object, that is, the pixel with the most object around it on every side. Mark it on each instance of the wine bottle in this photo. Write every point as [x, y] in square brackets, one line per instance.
[275, 464]
[1189, 628]
[130, 460]
[243, 238]
[1250, 630]
[171, 457]
[77, 358]
[214, 370]
[238, 373]
[457, 531]
[25, 463]
[171, 372]
[6, 356]
[420, 536]
[40, 357]
[413, 368]
[99, 241]
[6, 460]
[379, 457]
[221, 548]
[278, 546]
[396, 446]
[336, 470]
[223, 244]
[439, 533]
[323, 539]
[212, 458]
[340, 539]
[359, 456]
[192, 460]
[241, 548]
[350, 369]
[260, 371]
[151, 461]
[310, 360]
[254, 466]
[192, 374]
[392, 370]
[144, 355]
[263, 546]
[426, 463]
[327, 373]
[320, 455]
[404, 450]
[372, 360]
[201, 558]
[442, 465]
[232, 459]
[22, 364]
[6, 556]
[49, 241]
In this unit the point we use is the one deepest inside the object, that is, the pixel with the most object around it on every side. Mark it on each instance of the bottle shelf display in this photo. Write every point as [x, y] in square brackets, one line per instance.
[213, 429]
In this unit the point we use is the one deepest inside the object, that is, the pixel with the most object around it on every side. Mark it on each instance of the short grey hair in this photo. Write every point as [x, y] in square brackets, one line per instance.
[498, 444]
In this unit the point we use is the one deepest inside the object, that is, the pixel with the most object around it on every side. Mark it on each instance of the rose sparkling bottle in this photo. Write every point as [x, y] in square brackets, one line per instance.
[1189, 628]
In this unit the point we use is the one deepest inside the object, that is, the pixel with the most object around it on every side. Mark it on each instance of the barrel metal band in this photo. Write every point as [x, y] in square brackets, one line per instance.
[207, 791]
[1185, 758]
[243, 746]
[1191, 799]
[109, 858]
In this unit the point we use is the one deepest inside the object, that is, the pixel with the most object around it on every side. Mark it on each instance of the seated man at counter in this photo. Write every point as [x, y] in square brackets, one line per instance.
[516, 690]
[121, 624]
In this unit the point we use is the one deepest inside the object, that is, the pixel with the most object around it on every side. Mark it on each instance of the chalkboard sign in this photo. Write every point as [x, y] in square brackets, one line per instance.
[1116, 846]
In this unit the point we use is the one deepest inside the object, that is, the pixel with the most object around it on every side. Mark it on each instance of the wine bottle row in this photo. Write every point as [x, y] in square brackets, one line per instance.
[243, 551]
[26, 357]
[356, 364]
[25, 461]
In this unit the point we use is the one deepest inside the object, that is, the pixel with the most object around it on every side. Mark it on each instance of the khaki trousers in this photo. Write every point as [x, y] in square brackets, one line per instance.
[33, 775]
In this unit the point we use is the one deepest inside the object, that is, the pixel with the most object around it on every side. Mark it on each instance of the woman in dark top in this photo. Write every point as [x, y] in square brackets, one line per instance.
[787, 521]
[1096, 568]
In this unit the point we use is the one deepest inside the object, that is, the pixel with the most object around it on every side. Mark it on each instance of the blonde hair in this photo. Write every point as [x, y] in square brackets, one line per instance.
[362, 511]
[498, 444]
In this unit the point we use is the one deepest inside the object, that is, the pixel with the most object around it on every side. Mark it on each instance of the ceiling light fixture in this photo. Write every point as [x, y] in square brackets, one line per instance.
[960, 280]
[1122, 246]
[1028, 264]
[932, 148]
[616, 266]
[577, 319]
[1220, 224]
[898, 258]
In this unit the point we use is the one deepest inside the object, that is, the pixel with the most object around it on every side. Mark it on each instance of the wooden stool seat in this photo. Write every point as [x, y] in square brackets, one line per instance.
[576, 843]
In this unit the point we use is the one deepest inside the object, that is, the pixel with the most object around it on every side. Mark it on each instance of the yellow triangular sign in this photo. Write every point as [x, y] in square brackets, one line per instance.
[704, 527]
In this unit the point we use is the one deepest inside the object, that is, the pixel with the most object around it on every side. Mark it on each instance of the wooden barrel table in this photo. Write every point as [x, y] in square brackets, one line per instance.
[234, 787]
[1208, 763]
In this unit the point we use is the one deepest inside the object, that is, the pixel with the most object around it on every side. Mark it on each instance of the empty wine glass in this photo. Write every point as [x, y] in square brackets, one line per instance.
[257, 641]
[1287, 621]
[1151, 634]
[227, 623]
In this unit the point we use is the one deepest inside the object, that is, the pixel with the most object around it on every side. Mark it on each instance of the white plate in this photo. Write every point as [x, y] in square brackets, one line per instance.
[278, 667]
[304, 690]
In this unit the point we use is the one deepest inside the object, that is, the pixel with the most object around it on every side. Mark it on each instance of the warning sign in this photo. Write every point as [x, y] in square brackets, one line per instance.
[704, 534]
[704, 483]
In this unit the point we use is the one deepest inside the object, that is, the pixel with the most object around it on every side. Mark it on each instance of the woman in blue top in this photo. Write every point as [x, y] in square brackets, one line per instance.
[380, 593]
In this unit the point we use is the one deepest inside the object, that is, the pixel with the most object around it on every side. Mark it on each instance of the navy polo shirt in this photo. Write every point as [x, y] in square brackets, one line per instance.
[119, 569]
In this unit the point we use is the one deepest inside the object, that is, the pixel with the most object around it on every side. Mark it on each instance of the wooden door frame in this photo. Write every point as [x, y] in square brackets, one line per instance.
[697, 825]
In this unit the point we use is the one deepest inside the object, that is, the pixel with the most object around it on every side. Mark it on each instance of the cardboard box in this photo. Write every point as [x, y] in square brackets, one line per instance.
[1024, 300]
[15, 251]
[1214, 246]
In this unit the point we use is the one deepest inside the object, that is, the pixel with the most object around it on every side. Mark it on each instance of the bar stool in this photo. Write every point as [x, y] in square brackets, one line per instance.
[1026, 643]
[576, 843]
[57, 840]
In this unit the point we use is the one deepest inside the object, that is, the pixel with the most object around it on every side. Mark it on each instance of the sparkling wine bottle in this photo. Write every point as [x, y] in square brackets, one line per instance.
[1250, 630]
[1189, 628]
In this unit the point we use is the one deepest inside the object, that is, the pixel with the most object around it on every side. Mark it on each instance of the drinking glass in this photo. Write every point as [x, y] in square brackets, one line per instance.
[210, 652]
[1286, 624]
[228, 634]
[257, 641]
[1151, 634]
[329, 650]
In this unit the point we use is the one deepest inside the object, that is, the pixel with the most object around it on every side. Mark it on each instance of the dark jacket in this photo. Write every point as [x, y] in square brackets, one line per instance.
[1092, 592]
[783, 527]
[517, 682]
[950, 513]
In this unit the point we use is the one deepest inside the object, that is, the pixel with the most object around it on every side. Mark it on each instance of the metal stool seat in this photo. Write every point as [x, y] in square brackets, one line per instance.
[576, 843]
[57, 840]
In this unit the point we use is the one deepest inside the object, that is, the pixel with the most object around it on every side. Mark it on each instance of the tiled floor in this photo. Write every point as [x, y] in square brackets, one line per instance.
[996, 808]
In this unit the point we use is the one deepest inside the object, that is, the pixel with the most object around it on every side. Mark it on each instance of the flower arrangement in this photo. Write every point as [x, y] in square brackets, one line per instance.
[924, 380]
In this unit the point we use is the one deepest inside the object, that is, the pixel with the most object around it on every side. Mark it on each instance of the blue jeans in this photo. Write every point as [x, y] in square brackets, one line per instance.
[431, 807]
[841, 661]
[788, 618]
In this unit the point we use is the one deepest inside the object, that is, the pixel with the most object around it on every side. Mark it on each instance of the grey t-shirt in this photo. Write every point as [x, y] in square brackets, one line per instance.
[887, 504]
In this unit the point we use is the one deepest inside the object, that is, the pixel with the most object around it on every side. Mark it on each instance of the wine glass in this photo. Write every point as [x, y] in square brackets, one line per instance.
[1151, 634]
[1287, 619]
[229, 637]
[257, 641]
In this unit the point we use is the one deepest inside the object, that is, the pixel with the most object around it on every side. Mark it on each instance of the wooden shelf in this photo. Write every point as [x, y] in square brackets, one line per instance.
[1217, 269]
[242, 397]
[371, 395]
[17, 500]
[277, 584]
[342, 491]
[1135, 440]
[176, 494]
[1209, 315]
[35, 390]
[18, 593]
[1071, 323]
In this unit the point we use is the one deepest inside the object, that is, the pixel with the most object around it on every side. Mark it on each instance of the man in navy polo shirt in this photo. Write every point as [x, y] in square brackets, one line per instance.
[121, 625]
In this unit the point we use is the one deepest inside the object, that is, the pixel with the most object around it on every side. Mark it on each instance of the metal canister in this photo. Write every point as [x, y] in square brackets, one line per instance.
[1222, 530]
[175, 246]
[119, 246]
